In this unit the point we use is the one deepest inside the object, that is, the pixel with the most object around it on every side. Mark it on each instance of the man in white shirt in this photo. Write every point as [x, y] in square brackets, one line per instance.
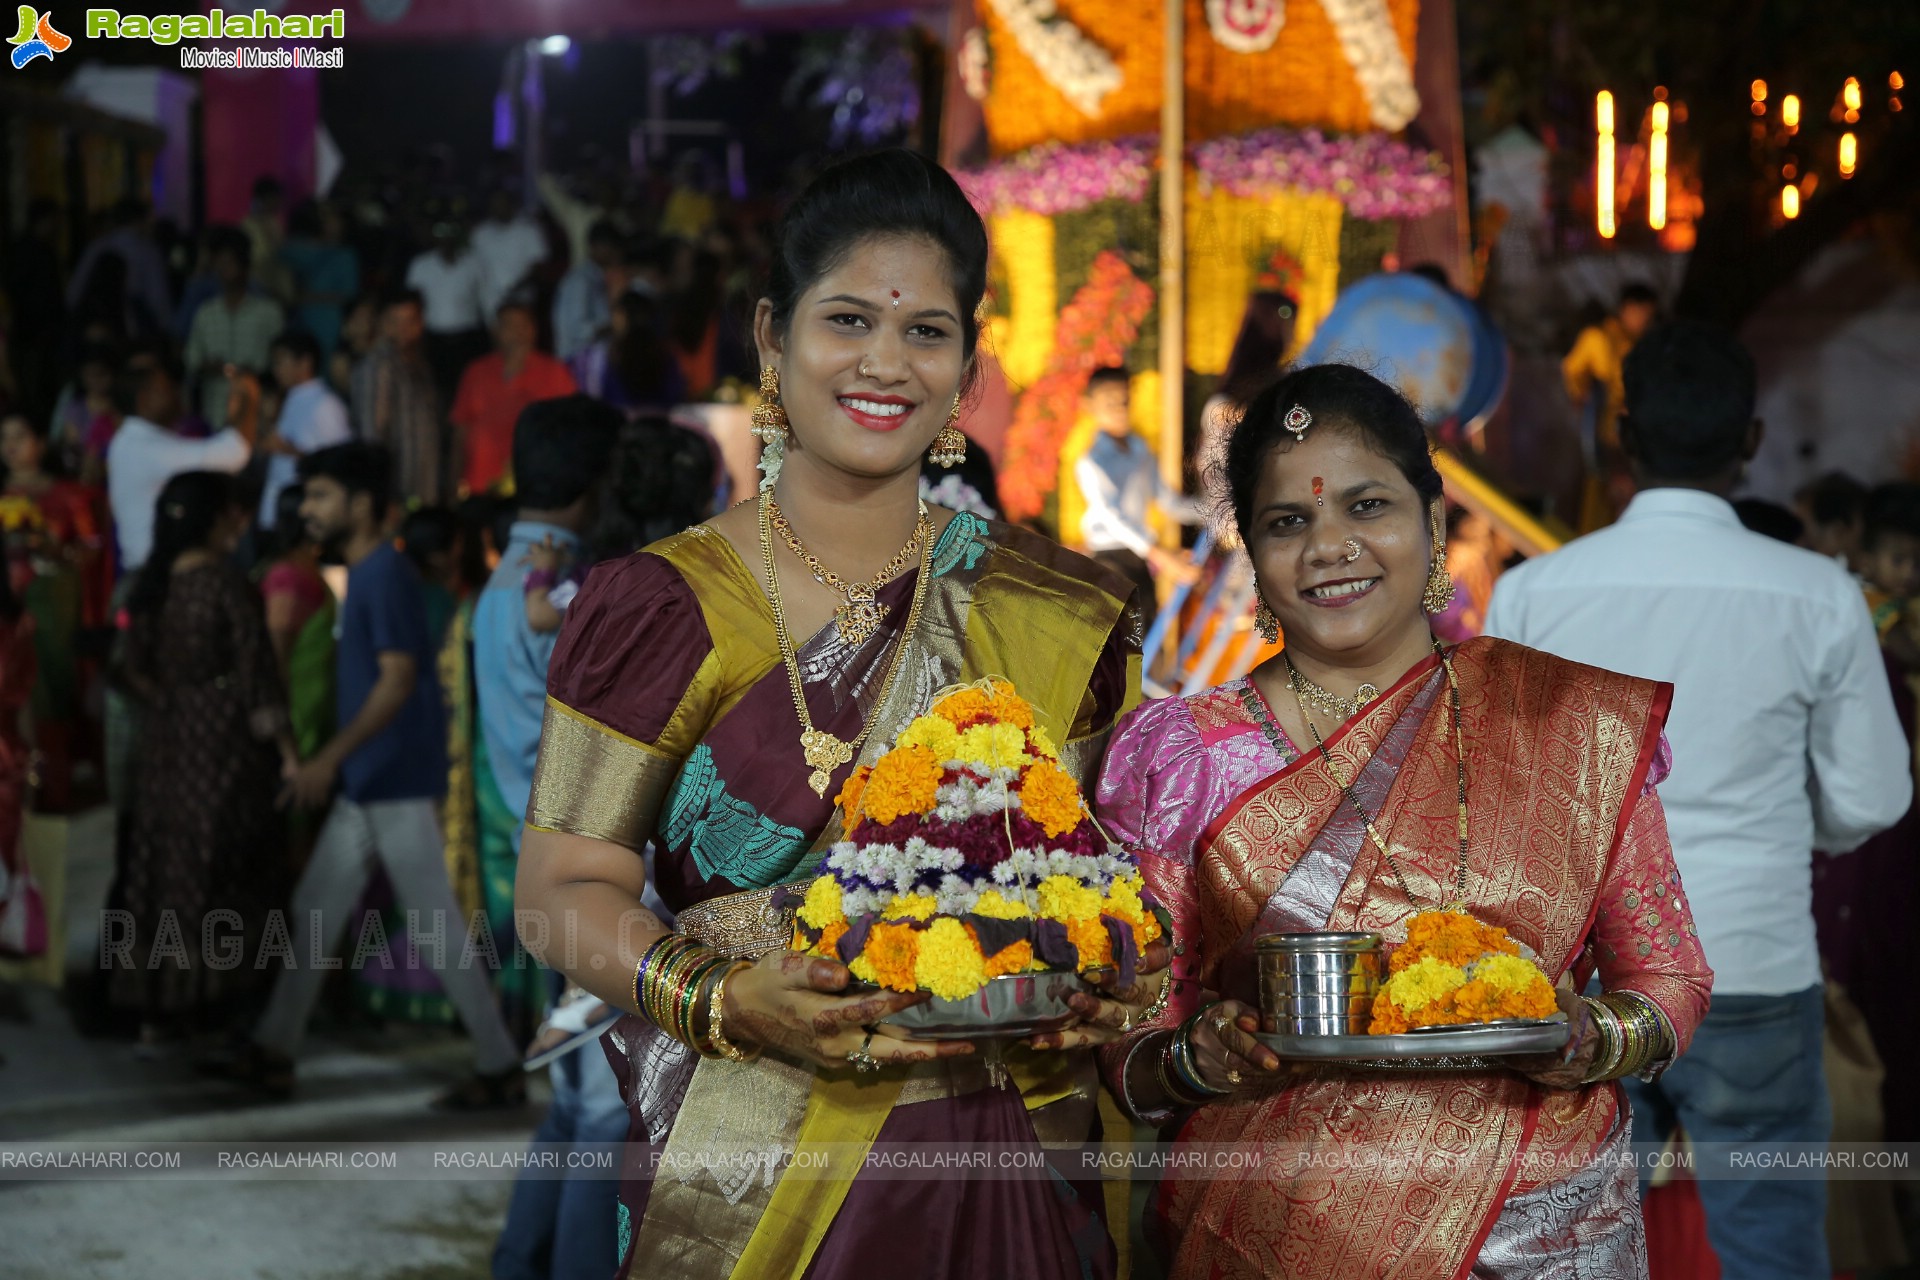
[1120, 482]
[508, 245]
[311, 417]
[1784, 739]
[147, 452]
[451, 284]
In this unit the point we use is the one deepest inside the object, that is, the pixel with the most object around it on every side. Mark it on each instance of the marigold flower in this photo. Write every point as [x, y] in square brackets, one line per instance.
[911, 906]
[822, 907]
[963, 708]
[905, 780]
[996, 906]
[1090, 938]
[1064, 898]
[1015, 958]
[949, 963]
[935, 734]
[996, 746]
[829, 943]
[849, 797]
[1050, 798]
[1040, 742]
[1423, 982]
[888, 958]
[1123, 900]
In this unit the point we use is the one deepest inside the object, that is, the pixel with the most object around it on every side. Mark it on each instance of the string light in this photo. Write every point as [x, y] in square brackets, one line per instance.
[1790, 201]
[1790, 112]
[1850, 99]
[1657, 169]
[1603, 170]
[1849, 154]
[1896, 82]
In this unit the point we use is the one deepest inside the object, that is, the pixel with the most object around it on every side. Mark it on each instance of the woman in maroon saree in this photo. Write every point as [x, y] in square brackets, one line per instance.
[679, 694]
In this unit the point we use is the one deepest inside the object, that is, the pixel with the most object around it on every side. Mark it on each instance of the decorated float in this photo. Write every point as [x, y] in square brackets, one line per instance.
[1288, 144]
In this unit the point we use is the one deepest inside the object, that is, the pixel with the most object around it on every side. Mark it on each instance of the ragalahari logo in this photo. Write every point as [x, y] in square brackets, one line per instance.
[37, 38]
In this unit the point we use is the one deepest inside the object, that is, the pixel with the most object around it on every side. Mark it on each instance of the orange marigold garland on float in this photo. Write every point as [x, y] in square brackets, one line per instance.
[969, 855]
[1455, 970]
[1095, 330]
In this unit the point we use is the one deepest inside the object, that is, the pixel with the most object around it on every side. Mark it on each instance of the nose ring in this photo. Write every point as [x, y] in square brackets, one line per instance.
[1353, 549]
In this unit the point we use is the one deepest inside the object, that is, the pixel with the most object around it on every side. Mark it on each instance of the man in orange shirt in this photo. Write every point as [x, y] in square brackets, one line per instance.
[493, 391]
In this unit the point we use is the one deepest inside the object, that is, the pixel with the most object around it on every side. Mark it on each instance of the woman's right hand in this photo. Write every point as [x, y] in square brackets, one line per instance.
[1224, 1050]
[792, 1003]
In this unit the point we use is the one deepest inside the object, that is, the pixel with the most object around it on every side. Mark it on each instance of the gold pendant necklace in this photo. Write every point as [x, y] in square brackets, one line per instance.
[825, 752]
[1326, 699]
[861, 615]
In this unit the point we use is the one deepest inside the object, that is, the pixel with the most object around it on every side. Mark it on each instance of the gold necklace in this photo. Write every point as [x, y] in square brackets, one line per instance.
[861, 615]
[1459, 903]
[1326, 699]
[824, 752]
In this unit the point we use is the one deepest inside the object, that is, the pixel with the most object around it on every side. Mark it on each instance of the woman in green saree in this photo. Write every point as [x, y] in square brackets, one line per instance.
[689, 708]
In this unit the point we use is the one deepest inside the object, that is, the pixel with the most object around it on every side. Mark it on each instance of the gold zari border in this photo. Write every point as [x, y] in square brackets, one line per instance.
[594, 782]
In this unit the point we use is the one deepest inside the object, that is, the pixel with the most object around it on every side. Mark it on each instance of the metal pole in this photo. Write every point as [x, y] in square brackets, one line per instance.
[1173, 252]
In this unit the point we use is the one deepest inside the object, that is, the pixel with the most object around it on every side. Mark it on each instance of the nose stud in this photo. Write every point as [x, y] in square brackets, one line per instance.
[1353, 549]
[863, 368]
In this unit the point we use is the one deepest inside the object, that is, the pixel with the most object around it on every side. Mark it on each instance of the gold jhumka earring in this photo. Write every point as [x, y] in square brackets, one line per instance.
[950, 446]
[770, 427]
[1439, 592]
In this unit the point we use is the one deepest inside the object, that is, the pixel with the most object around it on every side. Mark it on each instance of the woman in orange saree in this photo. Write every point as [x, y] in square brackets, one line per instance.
[1362, 777]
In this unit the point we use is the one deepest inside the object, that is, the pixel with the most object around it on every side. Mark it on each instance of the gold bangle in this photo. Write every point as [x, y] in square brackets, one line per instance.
[716, 1010]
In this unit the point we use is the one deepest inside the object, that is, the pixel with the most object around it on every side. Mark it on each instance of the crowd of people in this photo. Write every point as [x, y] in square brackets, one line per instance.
[193, 443]
[323, 559]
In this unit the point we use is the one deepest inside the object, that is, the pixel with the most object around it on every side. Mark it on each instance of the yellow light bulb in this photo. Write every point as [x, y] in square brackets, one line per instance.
[1849, 154]
[1790, 201]
[1790, 111]
[1850, 94]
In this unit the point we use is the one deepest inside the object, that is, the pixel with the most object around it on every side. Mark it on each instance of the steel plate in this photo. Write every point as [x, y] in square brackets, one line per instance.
[1430, 1048]
[1009, 1007]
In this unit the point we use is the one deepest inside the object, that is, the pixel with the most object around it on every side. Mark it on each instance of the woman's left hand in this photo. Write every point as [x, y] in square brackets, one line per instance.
[1117, 1010]
[1568, 1068]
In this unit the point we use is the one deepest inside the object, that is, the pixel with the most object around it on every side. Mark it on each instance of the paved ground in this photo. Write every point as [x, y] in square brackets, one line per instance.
[365, 1085]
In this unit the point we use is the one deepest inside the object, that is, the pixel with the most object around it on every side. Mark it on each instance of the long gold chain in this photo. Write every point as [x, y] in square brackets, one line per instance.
[823, 751]
[1295, 679]
[861, 615]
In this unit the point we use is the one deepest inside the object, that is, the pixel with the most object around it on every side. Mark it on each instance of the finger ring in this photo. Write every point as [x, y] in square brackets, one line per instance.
[1126, 1023]
[862, 1060]
[1233, 1077]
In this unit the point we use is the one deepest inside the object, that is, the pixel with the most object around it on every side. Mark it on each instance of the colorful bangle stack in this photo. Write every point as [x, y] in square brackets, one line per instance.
[669, 982]
[716, 1012]
[1633, 1035]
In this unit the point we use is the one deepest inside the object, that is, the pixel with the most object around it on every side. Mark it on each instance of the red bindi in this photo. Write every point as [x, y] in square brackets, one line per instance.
[1318, 486]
